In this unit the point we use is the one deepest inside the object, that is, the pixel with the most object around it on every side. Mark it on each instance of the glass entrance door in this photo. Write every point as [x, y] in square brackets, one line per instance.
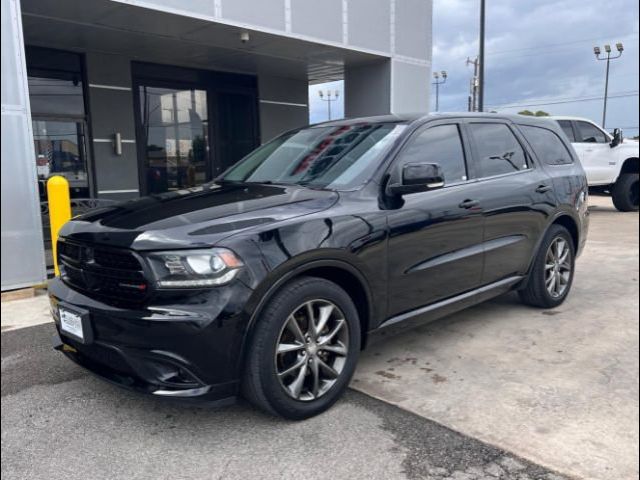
[175, 126]
[60, 150]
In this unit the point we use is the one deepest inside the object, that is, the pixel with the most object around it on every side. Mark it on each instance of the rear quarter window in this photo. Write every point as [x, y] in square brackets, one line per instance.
[547, 145]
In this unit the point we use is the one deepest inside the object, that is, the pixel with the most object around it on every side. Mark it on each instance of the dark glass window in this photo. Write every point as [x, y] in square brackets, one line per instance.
[547, 145]
[55, 82]
[589, 133]
[442, 145]
[175, 123]
[499, 151]
[568, 129]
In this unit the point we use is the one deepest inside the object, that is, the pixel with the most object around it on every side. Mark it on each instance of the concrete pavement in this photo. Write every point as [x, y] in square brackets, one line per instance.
[557, 387]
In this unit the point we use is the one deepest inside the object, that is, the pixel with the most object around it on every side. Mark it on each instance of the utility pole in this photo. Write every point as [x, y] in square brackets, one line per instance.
[608, 58]
[473, 85]
[437, 83]
[481, 59]
[328, 100]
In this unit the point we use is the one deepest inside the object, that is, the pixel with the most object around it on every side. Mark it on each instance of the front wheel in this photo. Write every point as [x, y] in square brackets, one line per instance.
[625, 193]
[551, 275]
[303, 350]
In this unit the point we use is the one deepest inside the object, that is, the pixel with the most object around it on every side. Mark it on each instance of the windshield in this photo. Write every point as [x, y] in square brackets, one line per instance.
[334, 157]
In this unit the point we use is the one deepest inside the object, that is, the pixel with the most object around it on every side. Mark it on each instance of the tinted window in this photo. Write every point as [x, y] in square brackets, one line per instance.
[499, 151]
[547, 145]
[441, 145]
[568, 129]
[589, 133]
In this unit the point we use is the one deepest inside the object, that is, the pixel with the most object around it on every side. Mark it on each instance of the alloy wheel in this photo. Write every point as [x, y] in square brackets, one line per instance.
[557, 268]
[312, 349]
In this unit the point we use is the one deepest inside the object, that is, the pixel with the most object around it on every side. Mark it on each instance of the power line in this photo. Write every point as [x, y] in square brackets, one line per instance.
[559, 99]
[558, 102]
[572, 42]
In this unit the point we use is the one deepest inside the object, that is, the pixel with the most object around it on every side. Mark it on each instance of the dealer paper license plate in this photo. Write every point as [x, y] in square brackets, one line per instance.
[71, 323]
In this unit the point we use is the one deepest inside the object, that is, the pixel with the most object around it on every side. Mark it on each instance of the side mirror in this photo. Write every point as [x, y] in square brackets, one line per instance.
[617, 138]
[418, 177]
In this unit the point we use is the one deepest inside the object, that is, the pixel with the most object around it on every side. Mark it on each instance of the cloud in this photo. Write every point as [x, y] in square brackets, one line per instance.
[540, 52]
[537, 51]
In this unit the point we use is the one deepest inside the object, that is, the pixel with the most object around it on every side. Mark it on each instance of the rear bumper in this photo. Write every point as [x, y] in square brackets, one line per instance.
[185, 350]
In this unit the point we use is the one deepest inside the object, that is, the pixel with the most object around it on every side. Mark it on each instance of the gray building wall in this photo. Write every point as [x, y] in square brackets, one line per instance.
[399, 30]
[283, 105]
[22, 251]
[112, 111]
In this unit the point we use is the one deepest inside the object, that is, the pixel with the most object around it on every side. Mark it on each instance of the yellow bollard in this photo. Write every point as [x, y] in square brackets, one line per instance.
[59, 211]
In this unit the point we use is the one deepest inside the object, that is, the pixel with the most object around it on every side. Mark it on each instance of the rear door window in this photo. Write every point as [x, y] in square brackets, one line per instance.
[589, 133]
[547, 145]
[568, 129]
[499, 151]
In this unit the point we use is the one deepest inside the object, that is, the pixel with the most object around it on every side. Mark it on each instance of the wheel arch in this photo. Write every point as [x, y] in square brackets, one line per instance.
[340, 272]
[630, 165]
[567, 221]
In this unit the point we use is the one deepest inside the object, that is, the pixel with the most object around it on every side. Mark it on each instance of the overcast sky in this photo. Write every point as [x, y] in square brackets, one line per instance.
[539, 53]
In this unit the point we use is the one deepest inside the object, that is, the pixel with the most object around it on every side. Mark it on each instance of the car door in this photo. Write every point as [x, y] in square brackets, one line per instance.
[435, 237]
[594, 150]
[516, 196]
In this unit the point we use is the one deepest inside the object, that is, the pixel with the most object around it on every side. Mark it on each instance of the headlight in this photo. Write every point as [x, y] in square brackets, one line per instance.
[194, 268]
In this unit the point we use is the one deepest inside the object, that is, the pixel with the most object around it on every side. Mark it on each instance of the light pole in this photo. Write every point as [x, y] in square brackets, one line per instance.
[336, 94]
[481, 59]
[437, 83]
[608, 58]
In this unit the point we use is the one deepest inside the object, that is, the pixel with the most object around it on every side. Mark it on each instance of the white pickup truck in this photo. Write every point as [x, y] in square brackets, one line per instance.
[611, 162]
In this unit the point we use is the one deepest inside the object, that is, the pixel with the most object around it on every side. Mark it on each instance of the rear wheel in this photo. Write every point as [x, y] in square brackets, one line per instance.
[551, 277]
[304, 349]
[625, 193]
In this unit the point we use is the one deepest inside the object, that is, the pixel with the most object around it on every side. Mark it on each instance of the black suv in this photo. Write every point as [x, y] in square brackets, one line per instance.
[268, 281]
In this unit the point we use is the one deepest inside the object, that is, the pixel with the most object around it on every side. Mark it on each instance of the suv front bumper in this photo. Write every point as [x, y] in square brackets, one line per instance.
[185, 345]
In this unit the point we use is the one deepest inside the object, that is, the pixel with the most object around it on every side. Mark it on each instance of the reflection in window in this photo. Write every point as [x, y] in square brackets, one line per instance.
[53, 96]
[442, 145]
[499, 151]
[175, 124]
[333, 157]
[59, 151]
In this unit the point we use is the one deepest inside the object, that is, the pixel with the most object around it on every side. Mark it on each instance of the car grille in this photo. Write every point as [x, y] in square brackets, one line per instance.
[111, 275]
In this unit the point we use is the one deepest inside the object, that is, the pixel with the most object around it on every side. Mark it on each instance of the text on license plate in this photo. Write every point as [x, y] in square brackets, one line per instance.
[71, 322]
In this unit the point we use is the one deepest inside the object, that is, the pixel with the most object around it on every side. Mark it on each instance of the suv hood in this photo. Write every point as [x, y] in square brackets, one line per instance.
[197, 217]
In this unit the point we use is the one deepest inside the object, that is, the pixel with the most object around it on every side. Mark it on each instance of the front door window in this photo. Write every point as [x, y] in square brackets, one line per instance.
[175, 126]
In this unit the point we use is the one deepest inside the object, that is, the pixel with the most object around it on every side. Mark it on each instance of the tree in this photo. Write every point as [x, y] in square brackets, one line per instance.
[539, 113]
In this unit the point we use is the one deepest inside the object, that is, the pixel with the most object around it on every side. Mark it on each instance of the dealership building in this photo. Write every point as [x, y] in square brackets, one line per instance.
[135, 97]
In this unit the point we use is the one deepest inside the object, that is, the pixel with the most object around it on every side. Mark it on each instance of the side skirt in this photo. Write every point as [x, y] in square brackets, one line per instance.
[451, 305]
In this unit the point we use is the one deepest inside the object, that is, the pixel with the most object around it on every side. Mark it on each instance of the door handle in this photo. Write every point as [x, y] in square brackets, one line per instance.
[469, 204]
[544, 188]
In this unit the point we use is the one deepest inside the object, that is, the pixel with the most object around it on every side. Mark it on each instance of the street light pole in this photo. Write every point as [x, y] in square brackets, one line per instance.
[437, 83]
[481, 59]
[608, 58]
[336, 94]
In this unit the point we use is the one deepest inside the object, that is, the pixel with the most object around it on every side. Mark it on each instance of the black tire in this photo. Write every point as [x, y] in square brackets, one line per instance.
[536, 292]
[262, 385]
[625, 193]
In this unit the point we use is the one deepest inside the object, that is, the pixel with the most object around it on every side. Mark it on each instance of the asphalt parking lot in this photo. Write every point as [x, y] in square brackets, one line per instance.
[499, 391]
[58, 422]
